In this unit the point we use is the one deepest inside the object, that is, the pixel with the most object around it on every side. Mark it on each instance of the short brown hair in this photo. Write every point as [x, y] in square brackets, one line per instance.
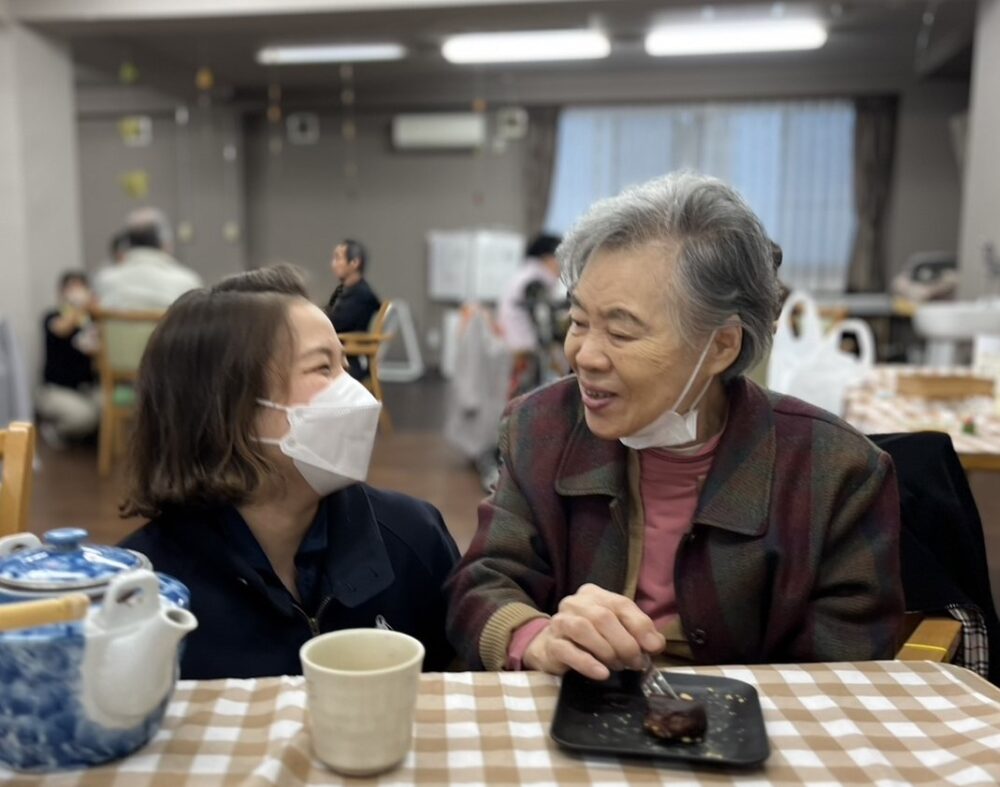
[214, 353]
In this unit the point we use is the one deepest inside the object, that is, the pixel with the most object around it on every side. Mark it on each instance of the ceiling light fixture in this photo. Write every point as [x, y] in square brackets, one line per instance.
[301, 54]
[526, 46]
[718, 38]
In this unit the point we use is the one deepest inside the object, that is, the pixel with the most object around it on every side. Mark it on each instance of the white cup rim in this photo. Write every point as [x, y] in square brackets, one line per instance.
[416, 659]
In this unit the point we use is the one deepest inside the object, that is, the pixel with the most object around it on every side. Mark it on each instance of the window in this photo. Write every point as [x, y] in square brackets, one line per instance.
[792, 161]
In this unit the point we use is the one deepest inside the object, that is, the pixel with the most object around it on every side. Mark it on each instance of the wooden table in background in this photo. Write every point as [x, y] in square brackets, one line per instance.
[876, 407]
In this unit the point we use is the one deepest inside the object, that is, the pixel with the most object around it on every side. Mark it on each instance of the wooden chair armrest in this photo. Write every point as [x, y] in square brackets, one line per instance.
[360, 348]
[363, 343]
[127, 315]
[357, 336]
[935, 639]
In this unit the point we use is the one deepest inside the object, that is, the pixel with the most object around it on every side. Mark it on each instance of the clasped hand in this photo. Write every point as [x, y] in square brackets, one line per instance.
[594, 632]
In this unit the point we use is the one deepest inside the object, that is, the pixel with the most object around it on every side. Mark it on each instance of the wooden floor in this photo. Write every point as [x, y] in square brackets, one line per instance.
[414, 459]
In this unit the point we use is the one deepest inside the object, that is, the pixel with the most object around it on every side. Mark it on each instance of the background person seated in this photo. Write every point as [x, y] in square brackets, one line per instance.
[249, 445]
[117, 248]
[660, 503]
[148, 277]
[353, 303]
[68, 402]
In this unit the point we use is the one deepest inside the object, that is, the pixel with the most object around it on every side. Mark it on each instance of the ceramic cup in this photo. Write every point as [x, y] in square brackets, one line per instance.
[361, 689]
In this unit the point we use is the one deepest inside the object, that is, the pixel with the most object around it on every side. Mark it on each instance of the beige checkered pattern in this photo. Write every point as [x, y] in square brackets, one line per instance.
[884, 723]
[874, 407]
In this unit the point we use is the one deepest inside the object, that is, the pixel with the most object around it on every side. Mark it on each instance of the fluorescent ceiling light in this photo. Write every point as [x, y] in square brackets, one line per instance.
[524, 47]
[329, 53]
[716, 38]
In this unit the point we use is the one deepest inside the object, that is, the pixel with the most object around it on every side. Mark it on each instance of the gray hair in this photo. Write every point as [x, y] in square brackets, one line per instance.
[153, 220]
[726, 263]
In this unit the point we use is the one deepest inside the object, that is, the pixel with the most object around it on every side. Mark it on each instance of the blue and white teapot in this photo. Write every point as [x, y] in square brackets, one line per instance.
[85, 692]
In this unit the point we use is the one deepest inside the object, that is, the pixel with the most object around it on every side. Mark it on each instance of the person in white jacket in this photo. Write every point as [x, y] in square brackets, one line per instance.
[524, 315]
[148, 277]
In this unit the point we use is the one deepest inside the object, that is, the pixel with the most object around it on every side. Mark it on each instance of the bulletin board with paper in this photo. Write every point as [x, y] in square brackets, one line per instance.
[471, 265]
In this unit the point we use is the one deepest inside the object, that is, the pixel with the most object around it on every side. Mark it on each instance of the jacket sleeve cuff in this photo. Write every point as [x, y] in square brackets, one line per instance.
[496, 634]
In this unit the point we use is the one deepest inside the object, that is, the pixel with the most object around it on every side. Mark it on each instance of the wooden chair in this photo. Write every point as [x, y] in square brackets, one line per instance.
[930, 639]
[943, 559]
[17, 452]
[123, 336]
[371, 346]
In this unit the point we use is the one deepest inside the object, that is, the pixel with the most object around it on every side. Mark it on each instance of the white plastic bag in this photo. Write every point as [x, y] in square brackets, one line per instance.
[811, 366]
[788, 351]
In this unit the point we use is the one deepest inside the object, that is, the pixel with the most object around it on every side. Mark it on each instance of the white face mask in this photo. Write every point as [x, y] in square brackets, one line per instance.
[330, 439]
[672, 428]
[77, 297]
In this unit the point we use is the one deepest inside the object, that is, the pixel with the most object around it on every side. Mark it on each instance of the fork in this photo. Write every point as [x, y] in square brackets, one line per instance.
[653, 681]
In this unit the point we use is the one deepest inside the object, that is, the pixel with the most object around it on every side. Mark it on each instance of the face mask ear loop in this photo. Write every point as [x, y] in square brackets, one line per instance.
[691, 379]
[273, 405]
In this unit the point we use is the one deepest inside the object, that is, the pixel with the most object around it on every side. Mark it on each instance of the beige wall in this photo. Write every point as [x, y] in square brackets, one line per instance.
[981, 199]
[927, 188]
[297, 204]
[189, 178]
[300, 204]
[39, 193]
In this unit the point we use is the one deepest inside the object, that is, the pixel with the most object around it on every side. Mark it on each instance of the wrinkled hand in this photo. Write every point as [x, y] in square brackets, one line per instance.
[594, 631]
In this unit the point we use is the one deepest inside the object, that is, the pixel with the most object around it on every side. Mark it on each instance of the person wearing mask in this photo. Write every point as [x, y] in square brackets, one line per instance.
[148, 276]
[68, 402]
[659, 503]
[353, 303]
[249, 454]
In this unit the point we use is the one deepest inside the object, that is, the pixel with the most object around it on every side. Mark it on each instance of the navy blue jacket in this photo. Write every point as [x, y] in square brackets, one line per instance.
[387, 555]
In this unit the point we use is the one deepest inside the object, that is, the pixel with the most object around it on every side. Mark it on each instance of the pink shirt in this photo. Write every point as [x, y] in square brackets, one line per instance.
[669, 483]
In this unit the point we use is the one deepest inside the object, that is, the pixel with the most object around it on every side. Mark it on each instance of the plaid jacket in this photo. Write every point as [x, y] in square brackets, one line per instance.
[793, 554]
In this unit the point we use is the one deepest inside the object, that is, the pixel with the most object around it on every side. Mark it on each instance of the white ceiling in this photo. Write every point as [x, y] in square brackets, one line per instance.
[170, 39]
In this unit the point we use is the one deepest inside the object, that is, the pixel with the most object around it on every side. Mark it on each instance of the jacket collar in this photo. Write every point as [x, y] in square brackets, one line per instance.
[590, 465]
[737, 492]
[357, 564]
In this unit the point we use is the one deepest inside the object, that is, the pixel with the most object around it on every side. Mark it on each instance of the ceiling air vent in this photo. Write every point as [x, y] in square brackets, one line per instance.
[439, 131]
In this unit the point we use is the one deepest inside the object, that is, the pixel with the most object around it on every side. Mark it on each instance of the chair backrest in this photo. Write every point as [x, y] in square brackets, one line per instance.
[17, 453]
[380, 318]
[124, 335]
[371, 344]
[383, 325]
[942, 548]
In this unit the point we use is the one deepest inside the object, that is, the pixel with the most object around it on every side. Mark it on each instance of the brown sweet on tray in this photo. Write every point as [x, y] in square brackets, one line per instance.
[672, 719]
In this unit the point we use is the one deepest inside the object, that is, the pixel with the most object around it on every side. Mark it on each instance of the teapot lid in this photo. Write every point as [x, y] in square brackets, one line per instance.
[63, 562]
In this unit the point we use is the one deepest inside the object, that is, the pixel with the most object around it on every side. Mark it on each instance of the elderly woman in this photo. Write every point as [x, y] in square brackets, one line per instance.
[250, 447]
[660, 503]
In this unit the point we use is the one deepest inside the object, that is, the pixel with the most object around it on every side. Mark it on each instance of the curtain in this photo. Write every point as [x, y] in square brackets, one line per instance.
[541, 147]
[791, 160]
[874, 143]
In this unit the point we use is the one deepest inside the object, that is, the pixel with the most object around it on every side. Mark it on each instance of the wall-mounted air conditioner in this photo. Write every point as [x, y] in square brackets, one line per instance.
[439, 130]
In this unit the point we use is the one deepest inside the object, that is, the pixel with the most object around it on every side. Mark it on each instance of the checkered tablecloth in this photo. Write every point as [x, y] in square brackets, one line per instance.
[875, 407]
[884, 723]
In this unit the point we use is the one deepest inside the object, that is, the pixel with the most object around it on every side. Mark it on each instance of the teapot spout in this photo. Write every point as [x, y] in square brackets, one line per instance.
[130, 661]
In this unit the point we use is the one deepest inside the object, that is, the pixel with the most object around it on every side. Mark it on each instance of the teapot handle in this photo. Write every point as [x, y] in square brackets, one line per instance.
[18, 542]
[129, 599]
